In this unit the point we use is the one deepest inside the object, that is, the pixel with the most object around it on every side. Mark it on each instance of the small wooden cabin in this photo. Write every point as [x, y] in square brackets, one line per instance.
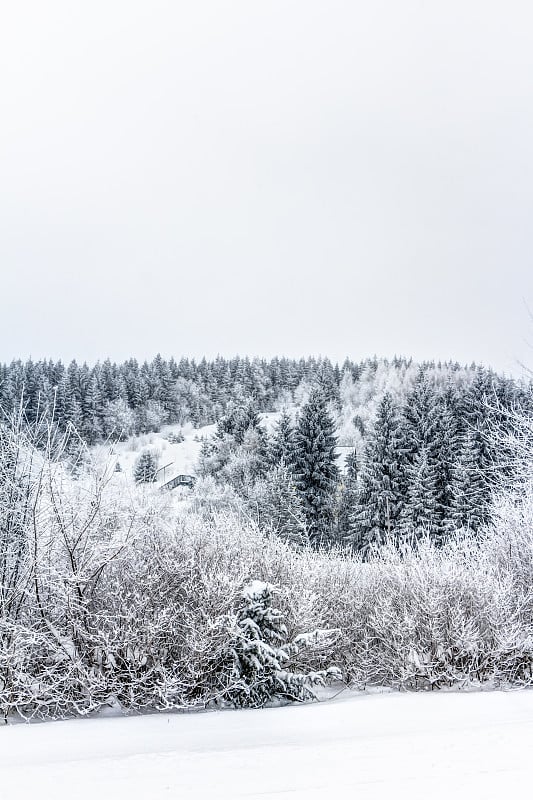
[180, 480]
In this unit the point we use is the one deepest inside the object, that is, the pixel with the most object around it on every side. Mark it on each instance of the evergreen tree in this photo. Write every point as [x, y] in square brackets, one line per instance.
[347, 495]
[315, 469]
[91, 411]
[164, 385]
[328, 380]
[445, 453]
[72, 413]
[419, 514]
[430, 443]
[247, 419]
[258, 654]
[145, 467]
[281, 446]
[420, 420]
[382, 480]
[470, 504]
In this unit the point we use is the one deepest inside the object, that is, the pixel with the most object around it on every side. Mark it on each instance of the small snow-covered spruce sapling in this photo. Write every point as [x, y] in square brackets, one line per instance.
[145, 468]
[259, 654]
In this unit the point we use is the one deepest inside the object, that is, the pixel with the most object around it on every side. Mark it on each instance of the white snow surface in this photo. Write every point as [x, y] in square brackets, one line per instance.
[474, 745]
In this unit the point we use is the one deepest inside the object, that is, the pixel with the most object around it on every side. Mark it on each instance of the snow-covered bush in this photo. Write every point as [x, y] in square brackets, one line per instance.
[259, 654]
[118, 420]
[175, 438]
[209, 497]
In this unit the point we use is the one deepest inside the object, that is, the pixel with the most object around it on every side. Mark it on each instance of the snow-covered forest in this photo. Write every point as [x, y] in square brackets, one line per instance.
[183, 535]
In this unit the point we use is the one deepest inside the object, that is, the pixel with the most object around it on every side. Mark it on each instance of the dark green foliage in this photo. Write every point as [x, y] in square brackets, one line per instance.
[281, 446]
[382, 481]
[315, 469]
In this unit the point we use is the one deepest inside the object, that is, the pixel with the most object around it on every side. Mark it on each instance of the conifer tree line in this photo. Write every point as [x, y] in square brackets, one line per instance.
[118, 400]
[429, 464]
[426, 468]
[110, 399]
[420, 459]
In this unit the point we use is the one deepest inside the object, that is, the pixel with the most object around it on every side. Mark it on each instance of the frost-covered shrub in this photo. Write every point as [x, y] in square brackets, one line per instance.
[118, 420]
[175, 438]
[209, 497]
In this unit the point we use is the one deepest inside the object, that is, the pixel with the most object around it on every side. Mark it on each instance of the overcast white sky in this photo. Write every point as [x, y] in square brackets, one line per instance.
[342, 178]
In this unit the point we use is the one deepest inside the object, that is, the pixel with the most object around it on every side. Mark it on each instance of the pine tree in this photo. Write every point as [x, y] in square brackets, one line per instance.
[420, 418]
[419, 515]
[259, 652]
[247, 419]
[470, 505]
[382, 481]
[347, 495]
[315, 469]
[430, 434]
[281, 446]
[445, 453]
[92, 411]
[328, 381]
[164, 386]
[145, 467]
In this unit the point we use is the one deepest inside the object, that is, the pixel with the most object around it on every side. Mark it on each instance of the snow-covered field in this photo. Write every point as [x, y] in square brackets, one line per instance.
[474, 745]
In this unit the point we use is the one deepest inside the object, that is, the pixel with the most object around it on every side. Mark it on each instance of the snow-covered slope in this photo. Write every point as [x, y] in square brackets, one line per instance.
[178, 458]
[437, 745]
[181, 457]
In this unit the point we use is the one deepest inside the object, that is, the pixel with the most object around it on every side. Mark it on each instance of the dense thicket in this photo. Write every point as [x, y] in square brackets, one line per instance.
[109, 599]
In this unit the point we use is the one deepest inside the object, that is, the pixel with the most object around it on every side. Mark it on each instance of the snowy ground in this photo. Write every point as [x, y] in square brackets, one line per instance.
[435, 745]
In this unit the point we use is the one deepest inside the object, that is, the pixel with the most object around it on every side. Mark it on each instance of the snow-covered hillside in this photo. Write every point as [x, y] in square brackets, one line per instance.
[381, 746]
[175, 457]
[178, 458]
